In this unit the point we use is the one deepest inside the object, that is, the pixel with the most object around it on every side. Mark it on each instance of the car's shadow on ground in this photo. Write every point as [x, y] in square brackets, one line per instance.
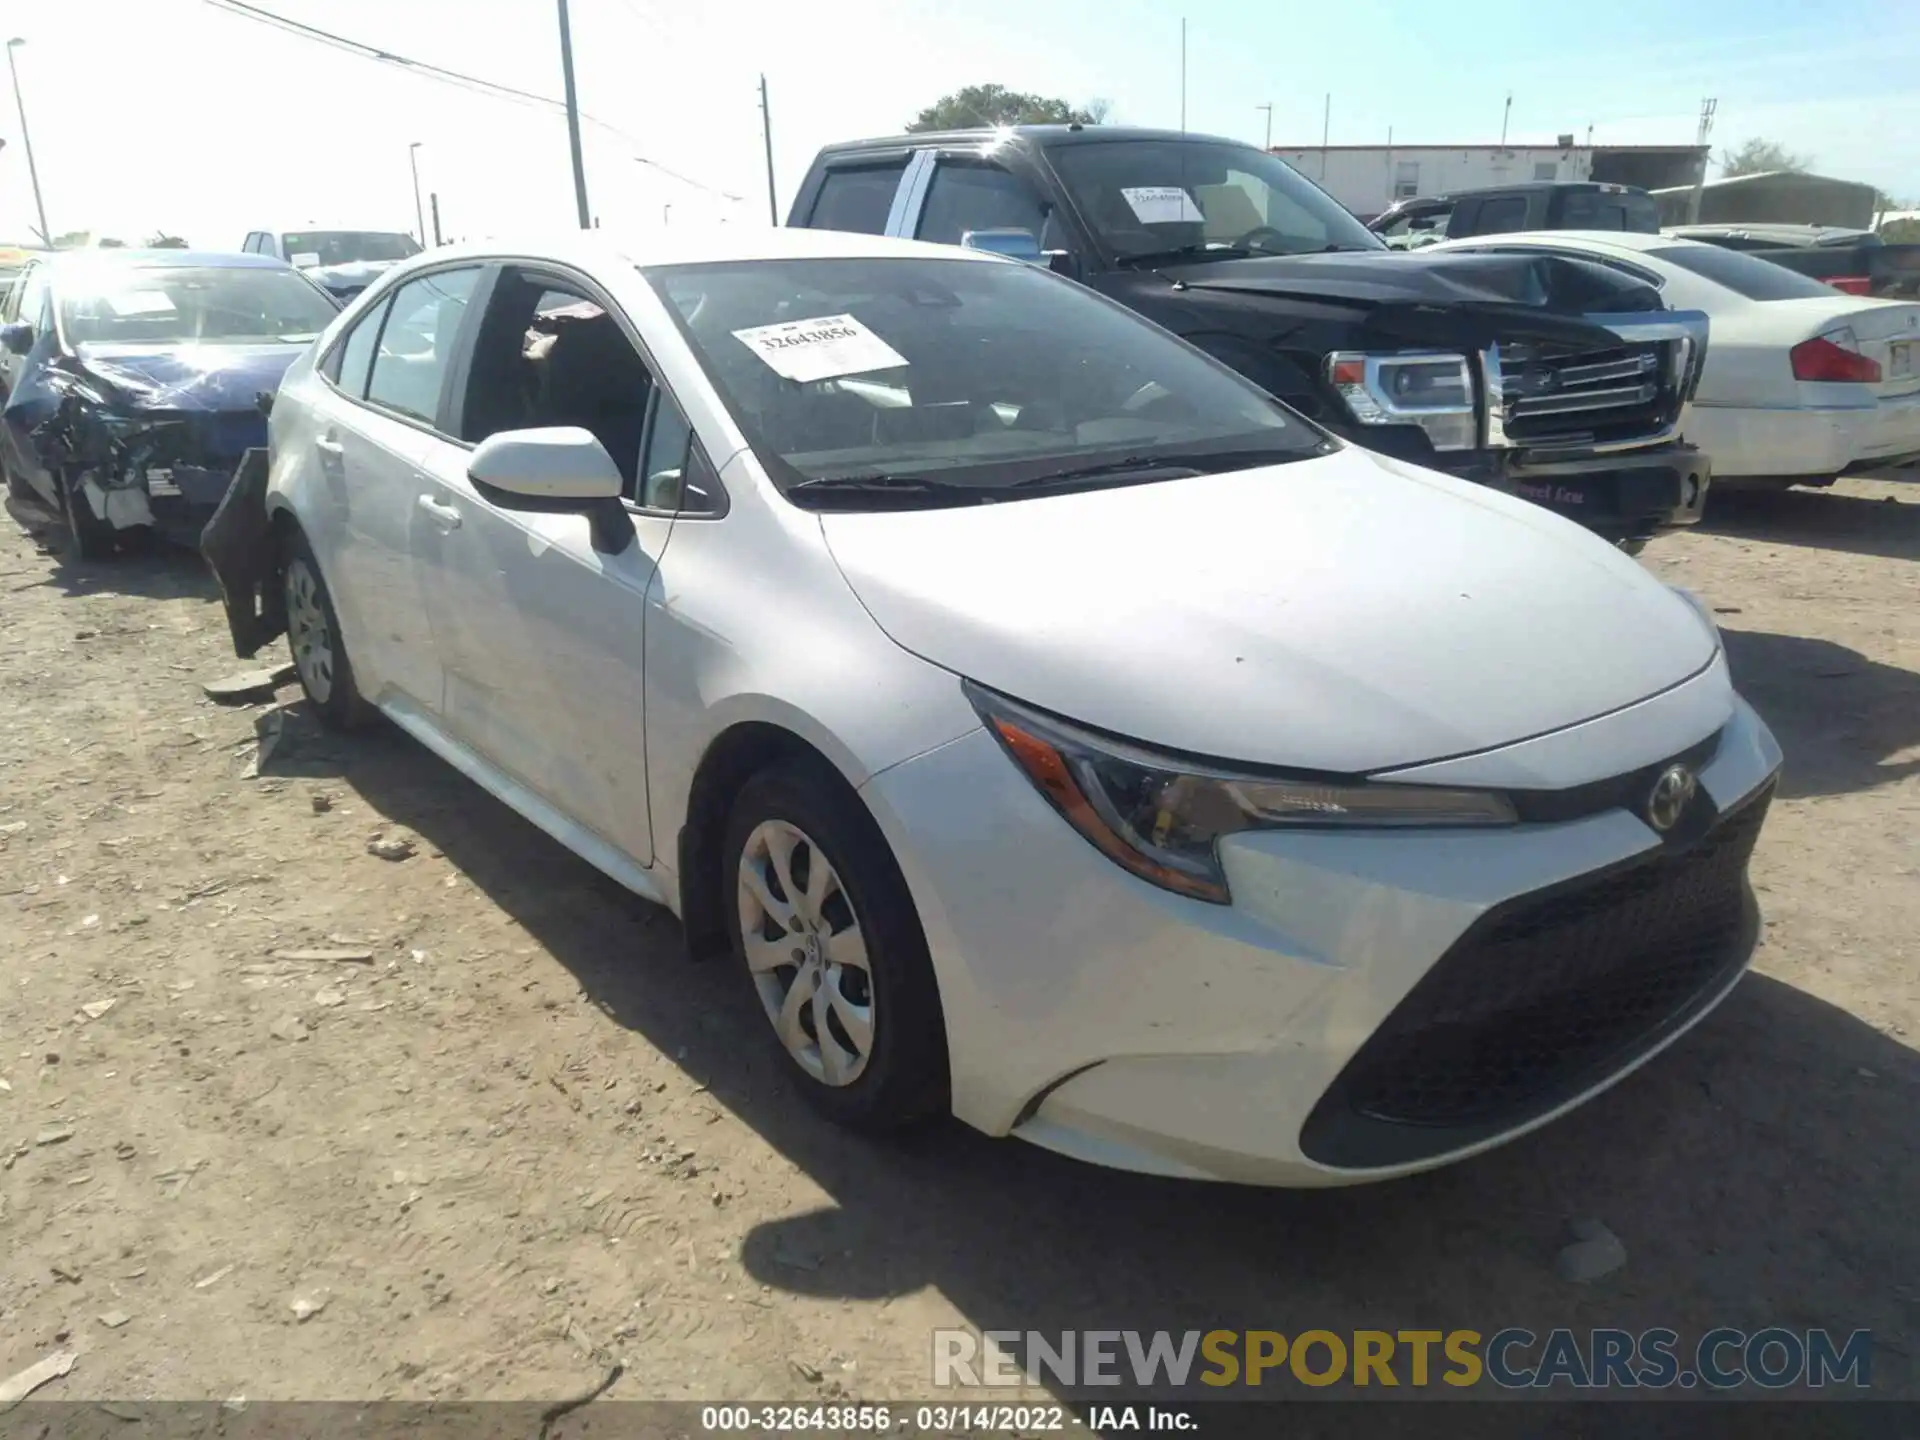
[148, 565]
[1888, 526]
[1840, 717]
[1757, 1173]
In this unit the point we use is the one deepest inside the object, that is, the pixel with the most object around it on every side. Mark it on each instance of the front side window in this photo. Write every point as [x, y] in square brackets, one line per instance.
[965, 197]
[415, 350]
[1745, 275]
[951, 378]
[1498, 217]
[857, 198]
[345, 247]
[1604, 210]
[1154, 199]
[191, 305]
[547, 354]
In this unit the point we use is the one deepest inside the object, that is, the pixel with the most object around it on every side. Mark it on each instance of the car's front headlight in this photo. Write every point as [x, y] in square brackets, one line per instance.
[1161, 816]
[1434, 392]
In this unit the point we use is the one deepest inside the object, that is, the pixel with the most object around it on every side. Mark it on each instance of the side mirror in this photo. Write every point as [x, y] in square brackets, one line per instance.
[559, 470]
[17, 337]
[1011, 241]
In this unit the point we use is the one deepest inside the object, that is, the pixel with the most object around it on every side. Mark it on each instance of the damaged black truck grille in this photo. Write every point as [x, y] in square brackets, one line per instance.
[1543, 997]
[1602, 396]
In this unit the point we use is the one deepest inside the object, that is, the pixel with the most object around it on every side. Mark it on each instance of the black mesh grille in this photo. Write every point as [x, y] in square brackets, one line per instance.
[1542, 997]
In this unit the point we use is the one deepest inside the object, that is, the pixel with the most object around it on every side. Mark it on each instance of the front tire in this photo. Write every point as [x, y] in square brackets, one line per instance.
[88, 536]
[313, 637]
[822, 923]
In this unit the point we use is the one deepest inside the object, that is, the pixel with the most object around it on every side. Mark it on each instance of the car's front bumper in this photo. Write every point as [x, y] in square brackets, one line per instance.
[1621, 496]
[1099, 1016]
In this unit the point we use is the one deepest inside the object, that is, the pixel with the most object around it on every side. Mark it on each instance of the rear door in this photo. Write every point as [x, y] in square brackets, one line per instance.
[857, 192]
[372, 427]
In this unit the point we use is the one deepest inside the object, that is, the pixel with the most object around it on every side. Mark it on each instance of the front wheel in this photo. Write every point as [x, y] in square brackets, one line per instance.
[821, 919]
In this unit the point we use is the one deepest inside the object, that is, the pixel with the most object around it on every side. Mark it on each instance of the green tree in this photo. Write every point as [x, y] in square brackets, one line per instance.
[161, 240]
[997, 105]
[1901, 232]
[72, 239]
[1756, 156]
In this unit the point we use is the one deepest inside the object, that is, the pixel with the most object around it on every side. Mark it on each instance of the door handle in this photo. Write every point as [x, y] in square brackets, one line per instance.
[327, 445]
[447, 516]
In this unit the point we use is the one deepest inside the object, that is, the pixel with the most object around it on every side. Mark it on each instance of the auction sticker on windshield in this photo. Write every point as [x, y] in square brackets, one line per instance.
[139, 302]
[1161, 204]
[820, 349]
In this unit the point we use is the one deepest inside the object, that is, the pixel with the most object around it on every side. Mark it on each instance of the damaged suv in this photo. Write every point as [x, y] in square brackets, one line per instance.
[1558, 380]
[132, 382]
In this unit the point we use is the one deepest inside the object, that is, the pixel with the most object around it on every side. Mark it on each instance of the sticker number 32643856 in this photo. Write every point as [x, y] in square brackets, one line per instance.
[820, 349]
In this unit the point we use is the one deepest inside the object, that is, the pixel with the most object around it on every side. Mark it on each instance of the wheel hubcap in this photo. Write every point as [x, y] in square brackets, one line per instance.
[806, 952]
[307, 632]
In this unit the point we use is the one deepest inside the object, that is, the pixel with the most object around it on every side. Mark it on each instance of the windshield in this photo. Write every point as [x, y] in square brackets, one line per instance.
[1168, 197]
[345, 247]
[1746, 275]
[964, 374]
[199, 305]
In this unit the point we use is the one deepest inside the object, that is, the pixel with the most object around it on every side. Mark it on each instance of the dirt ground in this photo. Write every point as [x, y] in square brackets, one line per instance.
[529, 1137]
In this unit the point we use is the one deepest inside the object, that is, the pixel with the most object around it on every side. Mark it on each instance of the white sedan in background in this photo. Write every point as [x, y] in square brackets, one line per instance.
[1051, 727]
[1802, 383]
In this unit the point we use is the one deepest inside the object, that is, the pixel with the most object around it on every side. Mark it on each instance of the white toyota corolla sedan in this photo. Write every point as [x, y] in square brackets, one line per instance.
[1802, 382]
[1055, 729]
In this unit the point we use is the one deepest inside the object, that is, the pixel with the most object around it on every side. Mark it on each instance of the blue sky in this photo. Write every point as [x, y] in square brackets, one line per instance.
[174, 114]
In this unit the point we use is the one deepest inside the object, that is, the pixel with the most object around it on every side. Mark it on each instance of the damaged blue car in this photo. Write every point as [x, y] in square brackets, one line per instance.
[132, 382]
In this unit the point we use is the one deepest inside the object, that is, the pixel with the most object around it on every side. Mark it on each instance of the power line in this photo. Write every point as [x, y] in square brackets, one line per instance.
[441, 73]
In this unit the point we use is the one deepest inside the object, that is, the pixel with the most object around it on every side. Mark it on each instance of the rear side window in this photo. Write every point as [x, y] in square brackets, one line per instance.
[1600, 210]
[857, 198]
[978, 197]
[1497, 217]
[352, 359]
[416, 343]
[1745, 275]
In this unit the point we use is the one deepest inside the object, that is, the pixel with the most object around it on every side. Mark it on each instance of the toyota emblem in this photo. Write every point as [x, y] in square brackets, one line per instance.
[1670, 797]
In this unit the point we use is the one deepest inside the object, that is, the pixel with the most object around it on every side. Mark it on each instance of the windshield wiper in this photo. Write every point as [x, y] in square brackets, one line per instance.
[1194, 462]
[909, 489]
[1213, 251]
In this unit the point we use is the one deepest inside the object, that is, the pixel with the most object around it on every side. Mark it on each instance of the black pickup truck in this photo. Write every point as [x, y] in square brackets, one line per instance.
[1547, 377]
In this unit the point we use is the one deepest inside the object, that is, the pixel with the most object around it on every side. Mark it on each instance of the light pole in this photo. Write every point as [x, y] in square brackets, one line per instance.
[1269, 110]
[573, 120]
[33, 173]
[419, 215]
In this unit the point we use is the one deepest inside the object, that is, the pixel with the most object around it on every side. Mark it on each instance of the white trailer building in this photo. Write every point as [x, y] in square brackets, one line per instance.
[1368, 178]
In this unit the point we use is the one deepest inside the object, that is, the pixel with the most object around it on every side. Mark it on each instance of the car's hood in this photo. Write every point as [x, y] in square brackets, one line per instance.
[353, 275]
[1450, 298]
[1346, 614]
[187, 377]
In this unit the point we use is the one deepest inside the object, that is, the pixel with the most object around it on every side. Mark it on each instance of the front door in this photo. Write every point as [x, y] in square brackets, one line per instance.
[541, 634]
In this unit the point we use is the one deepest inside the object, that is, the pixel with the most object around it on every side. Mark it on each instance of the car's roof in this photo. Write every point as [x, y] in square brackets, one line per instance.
[694, 245]
[1768, 230]
[149, 259]
[1036, 134]
[1634, 240]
